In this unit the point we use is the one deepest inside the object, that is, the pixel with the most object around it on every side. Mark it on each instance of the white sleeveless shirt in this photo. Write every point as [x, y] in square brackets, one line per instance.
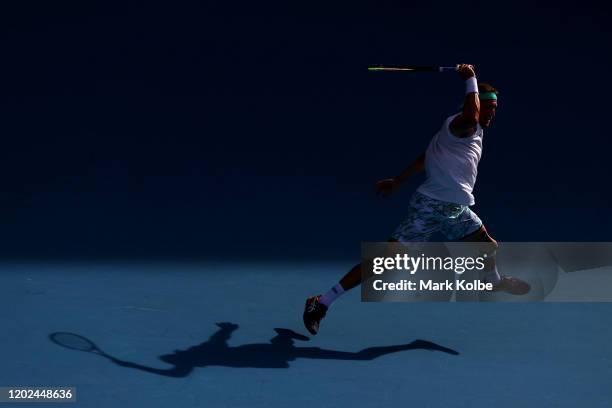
[451, 165]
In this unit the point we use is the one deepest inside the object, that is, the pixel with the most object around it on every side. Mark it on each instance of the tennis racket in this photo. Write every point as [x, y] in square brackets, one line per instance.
[413, 68]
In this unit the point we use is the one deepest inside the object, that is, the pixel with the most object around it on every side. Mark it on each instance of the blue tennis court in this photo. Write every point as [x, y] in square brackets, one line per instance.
[230, 335]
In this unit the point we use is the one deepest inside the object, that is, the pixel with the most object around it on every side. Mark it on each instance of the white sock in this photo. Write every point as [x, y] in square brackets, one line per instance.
[493, 276]
[334, 293]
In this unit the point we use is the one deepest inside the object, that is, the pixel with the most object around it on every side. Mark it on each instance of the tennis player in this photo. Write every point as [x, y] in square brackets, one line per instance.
[441, 203]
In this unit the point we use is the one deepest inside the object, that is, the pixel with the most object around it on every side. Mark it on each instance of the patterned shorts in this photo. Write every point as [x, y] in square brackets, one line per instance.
[427, 216]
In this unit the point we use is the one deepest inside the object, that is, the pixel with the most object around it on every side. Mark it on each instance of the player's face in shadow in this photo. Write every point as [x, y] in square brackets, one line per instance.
[487, 112]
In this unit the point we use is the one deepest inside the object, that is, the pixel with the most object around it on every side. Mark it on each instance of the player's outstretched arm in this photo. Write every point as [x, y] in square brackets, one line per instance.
[464, 125]
[387, 187]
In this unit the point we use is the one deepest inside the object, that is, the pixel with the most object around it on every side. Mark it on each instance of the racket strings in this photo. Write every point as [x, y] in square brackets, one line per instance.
[73, 341]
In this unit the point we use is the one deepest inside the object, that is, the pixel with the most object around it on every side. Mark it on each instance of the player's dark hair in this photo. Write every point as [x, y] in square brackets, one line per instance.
[484, 87]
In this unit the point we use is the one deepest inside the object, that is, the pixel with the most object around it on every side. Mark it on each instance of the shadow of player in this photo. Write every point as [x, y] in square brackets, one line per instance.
[276, 354]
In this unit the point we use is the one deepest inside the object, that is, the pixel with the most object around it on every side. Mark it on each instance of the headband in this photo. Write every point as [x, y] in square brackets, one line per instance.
[487, 96]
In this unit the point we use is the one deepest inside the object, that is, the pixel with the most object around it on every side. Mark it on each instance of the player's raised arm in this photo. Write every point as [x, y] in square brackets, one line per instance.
[465, 124]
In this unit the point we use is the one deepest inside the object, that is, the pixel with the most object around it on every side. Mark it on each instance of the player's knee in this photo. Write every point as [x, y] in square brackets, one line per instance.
[493, 244]
[484, 242]
[490, 245]
[482, 235]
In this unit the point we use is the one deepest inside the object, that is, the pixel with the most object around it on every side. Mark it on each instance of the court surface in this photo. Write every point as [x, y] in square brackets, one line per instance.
[231, 335]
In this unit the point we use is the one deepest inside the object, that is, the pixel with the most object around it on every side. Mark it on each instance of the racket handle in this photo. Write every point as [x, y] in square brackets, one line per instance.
[444, 69]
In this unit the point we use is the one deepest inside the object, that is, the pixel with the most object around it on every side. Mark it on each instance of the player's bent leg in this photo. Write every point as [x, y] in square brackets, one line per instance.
[501, 283]
[484, 243]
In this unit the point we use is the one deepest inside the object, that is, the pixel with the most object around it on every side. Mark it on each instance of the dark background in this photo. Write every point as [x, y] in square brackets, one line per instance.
[253, 130]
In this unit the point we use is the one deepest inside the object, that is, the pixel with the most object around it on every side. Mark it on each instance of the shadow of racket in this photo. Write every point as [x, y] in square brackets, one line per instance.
[79, 343]
[75, 342]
